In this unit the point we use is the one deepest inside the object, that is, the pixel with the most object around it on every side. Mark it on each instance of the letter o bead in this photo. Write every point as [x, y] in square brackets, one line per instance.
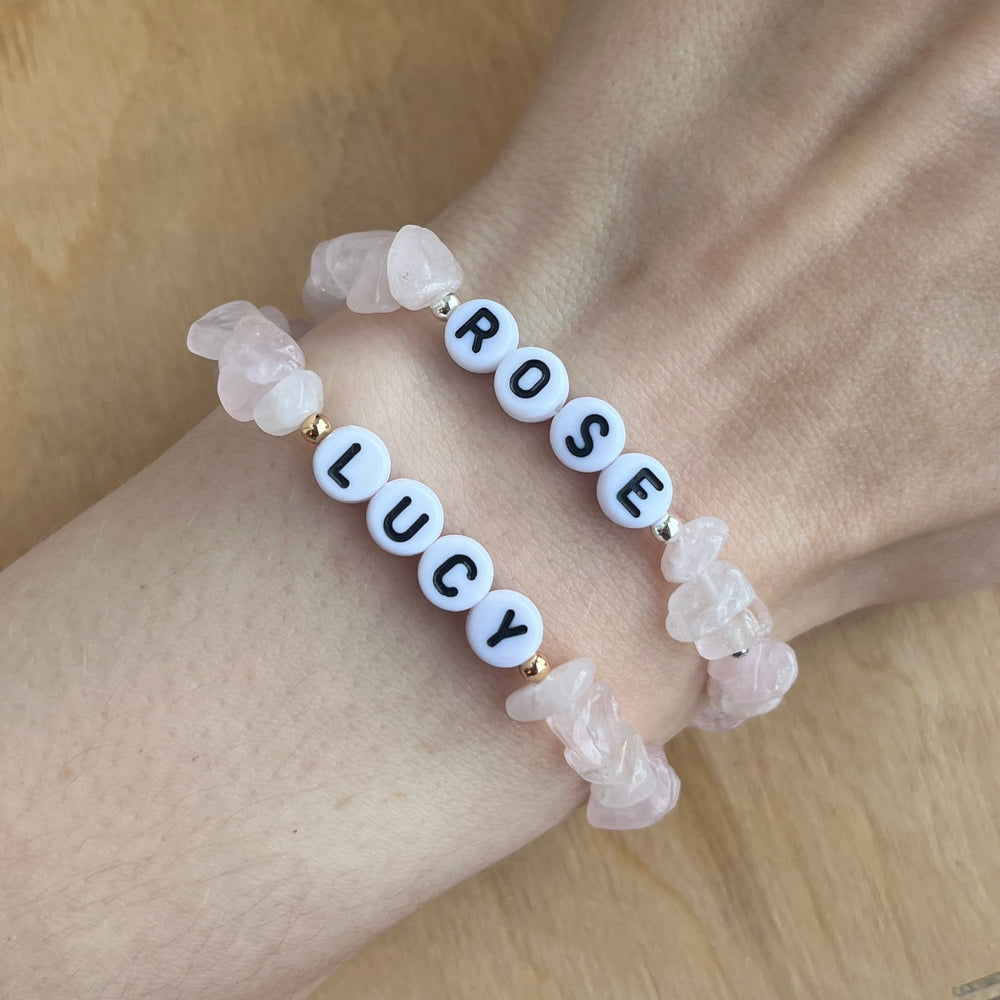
[455, 573]
[351, 464]
[531, 384]
[404, 517]
[479, 334]
[634, 490]
[504, 629]
[587, 434]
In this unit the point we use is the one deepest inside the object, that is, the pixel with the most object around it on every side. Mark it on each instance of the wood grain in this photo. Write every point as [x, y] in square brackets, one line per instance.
[156, 159]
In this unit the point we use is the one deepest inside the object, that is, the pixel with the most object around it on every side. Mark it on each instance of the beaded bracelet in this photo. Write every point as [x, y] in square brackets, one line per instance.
[262, 378]
[715, 606]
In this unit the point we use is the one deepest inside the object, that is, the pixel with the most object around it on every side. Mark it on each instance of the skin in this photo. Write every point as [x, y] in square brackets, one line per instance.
[237, 743]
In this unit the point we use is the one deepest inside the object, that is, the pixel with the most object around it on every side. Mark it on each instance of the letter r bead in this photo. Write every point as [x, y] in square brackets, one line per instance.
[479, 334]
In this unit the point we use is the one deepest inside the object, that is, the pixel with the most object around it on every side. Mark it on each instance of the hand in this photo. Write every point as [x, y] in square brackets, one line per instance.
[785, 280]
[764, 232]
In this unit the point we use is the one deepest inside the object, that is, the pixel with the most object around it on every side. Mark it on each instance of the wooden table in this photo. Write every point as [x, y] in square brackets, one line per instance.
[156, 159]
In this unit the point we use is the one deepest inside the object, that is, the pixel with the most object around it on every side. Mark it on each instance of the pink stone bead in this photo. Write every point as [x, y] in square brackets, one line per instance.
[748, 628]
[257, 356]
[277, 317]
[594, 735]
[335, 266]
[707, 602]
[753, 684]
[287, 403]
[208, 334]
[636, 780]
[646, 812]
[689, 553]
[718, 697]
[422, 270]
[563, 685]
[713, 720]
[370, 291]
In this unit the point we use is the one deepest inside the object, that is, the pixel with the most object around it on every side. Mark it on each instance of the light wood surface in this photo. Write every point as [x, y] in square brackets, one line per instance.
[156, 159]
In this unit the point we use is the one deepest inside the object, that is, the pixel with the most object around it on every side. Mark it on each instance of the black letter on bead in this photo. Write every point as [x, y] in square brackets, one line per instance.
[544, 374]
[634, 485]
[446, 589]
[479, 333]
[334, 471]
[402, 536]
[505, 631]
[603, 428]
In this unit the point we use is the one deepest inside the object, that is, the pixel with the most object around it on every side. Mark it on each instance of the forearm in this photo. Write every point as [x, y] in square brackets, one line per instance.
[235, 746]
[261, 745]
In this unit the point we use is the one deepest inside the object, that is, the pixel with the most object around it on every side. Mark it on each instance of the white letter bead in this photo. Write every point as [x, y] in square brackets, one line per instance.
[587, 434]
[479, 334]
[351, 464]
[455, 573]
[404, 517]
[634, 490]
[504, 629]
[531, 384]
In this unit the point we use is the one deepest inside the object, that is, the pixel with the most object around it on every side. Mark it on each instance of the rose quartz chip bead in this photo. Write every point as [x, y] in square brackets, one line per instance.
[208, 334]
[745, 686]
[695, 546]
[627, 790]
[563, 685]
[261, 369]
[287, 403]
[707, 602]
[379, 271]
[647, 811]
[257, 356]
[278, 318]
[422, 270]
[338, 265]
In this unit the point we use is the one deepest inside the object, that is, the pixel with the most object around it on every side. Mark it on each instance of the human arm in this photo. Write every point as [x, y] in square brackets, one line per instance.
[709, 366]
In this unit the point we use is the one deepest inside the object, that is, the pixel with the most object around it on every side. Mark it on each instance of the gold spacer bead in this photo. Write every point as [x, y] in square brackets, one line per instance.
[315, 427]
[536, 669]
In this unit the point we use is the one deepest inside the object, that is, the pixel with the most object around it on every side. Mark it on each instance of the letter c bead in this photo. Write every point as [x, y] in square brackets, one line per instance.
[404, 517]
[351, 464]
[455, 573]
[634, 490]
[504, 629]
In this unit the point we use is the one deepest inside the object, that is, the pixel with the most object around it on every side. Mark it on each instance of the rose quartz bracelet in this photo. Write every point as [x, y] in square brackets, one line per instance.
[714, 607]
[262, 377]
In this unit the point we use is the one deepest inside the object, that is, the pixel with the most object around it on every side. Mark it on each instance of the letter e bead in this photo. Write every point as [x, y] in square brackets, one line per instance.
[634, 490]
